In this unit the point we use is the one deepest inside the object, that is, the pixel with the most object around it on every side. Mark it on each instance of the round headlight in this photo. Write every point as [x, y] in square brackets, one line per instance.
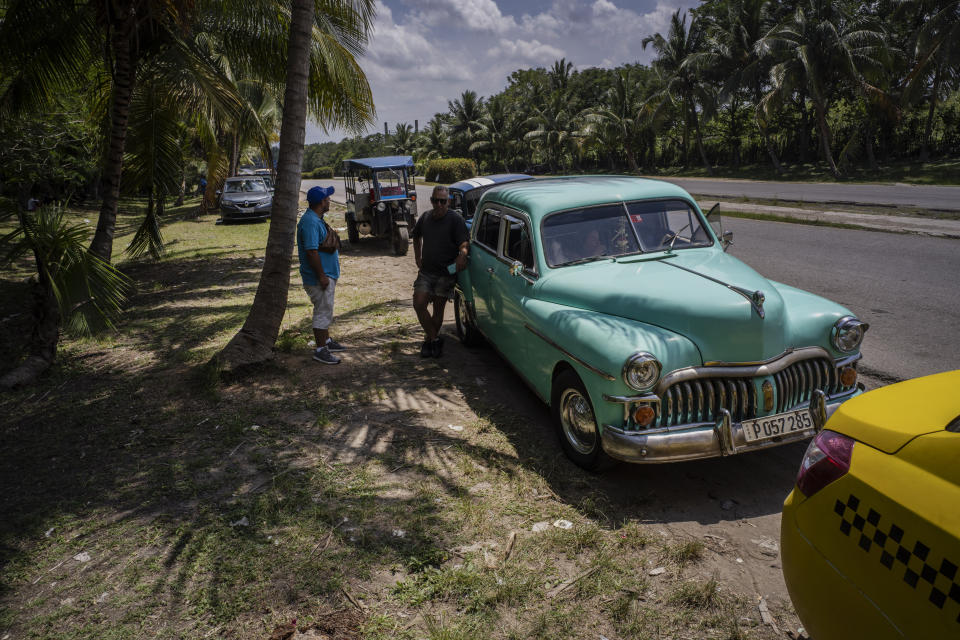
[641, 371]
[847, 333]
[381, 206]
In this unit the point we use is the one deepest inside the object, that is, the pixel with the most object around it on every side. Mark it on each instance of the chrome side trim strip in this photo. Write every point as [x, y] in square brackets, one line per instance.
[553, 344]
[749, 371]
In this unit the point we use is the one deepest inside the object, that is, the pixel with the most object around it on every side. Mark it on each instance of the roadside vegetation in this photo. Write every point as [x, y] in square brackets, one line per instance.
[794, 90]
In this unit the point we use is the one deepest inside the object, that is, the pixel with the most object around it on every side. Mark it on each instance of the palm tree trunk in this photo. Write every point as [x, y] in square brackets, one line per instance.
[699, 138]
[123, 82]
[928, 130]
[803, 140]
[254, 342]
[825, 138]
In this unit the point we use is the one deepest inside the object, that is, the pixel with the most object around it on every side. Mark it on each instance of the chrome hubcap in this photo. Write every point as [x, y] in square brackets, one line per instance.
[576, 419]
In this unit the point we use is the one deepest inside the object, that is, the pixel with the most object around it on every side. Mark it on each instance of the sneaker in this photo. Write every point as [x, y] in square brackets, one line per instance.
[426, 349]
[333, 345]
[323, 355]
[438, 347]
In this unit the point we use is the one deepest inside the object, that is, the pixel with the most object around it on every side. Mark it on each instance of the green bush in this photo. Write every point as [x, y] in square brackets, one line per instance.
[447, 170]
[318, 173]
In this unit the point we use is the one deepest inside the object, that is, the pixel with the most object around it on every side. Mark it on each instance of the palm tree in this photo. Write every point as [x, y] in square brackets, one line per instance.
[255, 340]
[73, 286]
[622, 112]
[817, 47]
[432, 142]
[734, 55]
[498, 131]
[465, 114]
[678, 66]
[402, 141]
[555, 129]
[560, 74]
[937, 66]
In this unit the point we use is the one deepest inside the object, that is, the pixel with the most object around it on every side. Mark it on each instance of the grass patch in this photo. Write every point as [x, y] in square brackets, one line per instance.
[684, 553]
[696, 594]
[946, 172]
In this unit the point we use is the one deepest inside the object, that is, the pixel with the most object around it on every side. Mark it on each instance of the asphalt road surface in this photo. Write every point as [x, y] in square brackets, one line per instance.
[896, 195]
[907, 287]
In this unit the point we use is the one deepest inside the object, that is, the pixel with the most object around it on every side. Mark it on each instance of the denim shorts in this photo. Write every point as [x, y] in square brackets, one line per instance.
[440, 286]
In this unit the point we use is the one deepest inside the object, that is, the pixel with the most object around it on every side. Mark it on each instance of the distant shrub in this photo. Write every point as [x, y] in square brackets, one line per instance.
[319, 173]
[447, 170]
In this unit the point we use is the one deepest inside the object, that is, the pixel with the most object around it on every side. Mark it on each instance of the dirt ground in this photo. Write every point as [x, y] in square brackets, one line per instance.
[390, 496]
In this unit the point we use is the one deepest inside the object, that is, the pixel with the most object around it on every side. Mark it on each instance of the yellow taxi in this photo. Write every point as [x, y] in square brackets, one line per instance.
[870, 534]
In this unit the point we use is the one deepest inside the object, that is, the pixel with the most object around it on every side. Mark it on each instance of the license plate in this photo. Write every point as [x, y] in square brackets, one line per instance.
[778, 425]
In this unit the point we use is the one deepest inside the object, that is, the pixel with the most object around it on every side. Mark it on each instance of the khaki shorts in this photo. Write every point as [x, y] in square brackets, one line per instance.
[322, 300]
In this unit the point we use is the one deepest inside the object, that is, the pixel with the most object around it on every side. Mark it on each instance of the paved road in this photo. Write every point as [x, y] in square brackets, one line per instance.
[922, 196]
[905, 286]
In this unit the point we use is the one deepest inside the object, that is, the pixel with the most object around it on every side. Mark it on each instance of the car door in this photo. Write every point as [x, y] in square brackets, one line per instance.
[483, 258]
[512, 280]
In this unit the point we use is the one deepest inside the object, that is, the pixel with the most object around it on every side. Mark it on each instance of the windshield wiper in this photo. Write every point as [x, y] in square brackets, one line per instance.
[583, 260]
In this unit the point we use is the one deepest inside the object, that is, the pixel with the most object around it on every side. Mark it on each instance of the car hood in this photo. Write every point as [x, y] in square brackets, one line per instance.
[890, 417]
[685, 294]
[245, 196]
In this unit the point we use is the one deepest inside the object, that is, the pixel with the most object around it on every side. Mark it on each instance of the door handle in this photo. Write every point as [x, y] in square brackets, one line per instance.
[490, 270]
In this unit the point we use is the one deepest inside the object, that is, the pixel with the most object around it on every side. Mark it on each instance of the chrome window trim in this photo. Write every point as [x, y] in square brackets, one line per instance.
[476, 235]
[556, 346]
[750, 370]
[508, 214]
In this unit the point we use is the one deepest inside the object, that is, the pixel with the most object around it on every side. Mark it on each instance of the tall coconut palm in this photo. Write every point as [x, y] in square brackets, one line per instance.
[402, 141]
[432, 142]
[498, 131]
[306, 85]
[560, 74]
[464, 117]
[622, 111]
[817, 47]
[733, 54]
[554, 130]
[683, 82]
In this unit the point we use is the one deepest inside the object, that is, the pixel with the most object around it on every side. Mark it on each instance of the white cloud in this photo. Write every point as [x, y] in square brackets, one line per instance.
[530, 50]
[467, 15]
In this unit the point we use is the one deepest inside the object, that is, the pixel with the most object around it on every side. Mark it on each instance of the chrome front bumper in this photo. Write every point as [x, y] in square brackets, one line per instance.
[706, 440]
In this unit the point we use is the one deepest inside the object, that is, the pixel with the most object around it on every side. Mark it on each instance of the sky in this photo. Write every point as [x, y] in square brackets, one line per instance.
[423, 53]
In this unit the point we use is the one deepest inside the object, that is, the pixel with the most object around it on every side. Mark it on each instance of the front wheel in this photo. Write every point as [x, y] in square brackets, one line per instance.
[401, 241]
[466, 332]
[576, 423]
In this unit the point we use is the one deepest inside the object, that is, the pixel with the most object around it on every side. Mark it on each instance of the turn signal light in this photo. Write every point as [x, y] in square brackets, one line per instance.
[413, 197]
[848, 377]
[644, 415]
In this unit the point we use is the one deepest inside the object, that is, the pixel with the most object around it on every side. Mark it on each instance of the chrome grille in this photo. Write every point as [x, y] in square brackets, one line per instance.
[700, 400]
[795, 384]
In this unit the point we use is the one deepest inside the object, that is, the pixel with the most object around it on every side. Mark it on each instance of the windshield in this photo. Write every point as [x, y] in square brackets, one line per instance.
[587, 234]
[245, 186]
[666, 224]
[391, 182]
[619, 229]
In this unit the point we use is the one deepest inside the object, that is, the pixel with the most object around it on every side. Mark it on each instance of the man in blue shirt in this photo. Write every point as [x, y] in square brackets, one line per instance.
[320, 270]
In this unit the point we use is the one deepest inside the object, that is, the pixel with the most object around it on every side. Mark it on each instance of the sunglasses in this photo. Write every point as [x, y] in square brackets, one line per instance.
[438, 200]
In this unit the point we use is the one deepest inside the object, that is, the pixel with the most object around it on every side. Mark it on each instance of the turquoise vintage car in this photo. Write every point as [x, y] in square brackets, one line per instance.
[614, 299]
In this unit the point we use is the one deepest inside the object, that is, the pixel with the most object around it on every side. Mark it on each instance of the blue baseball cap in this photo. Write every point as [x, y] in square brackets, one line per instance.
[317, 195]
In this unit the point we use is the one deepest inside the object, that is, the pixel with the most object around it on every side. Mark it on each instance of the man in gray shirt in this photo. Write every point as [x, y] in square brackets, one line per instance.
[440, 246]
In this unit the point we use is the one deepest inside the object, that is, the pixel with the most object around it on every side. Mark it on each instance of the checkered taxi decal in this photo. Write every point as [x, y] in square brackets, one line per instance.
[917, 561]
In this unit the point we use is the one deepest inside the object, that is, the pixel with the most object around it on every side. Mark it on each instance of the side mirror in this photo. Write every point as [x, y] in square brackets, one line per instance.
[217, 192]
[726, 239]
[516, 268]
